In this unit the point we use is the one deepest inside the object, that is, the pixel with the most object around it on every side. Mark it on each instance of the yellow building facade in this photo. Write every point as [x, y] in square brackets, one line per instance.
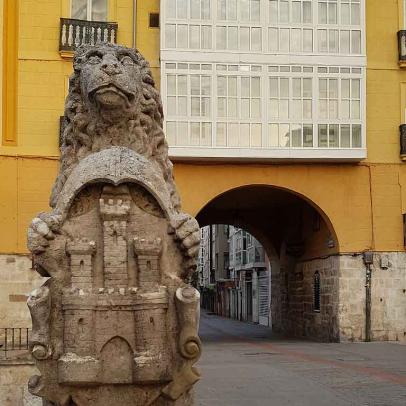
[310, 214]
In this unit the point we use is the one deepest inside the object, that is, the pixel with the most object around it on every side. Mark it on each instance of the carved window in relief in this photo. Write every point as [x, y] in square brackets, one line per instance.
[316, 291]
[91, 10]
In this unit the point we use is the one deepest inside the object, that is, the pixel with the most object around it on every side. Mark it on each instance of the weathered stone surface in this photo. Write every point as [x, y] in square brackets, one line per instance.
[117, 321]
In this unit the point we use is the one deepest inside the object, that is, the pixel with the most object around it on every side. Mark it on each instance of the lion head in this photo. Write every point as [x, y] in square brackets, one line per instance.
[112, 101]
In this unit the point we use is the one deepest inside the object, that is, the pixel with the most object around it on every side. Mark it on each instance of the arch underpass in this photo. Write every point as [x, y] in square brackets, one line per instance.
[300, 243]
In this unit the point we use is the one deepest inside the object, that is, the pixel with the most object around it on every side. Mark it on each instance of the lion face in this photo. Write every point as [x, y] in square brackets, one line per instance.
[109, 77]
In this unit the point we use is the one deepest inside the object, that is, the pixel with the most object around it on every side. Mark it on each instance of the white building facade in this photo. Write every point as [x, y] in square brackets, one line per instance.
[264, 79]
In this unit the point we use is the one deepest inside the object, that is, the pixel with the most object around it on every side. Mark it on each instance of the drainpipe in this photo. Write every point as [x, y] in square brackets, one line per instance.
[368, 257]
[134, 24]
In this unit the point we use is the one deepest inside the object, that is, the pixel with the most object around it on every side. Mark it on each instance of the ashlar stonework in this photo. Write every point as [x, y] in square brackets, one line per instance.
[116, 322]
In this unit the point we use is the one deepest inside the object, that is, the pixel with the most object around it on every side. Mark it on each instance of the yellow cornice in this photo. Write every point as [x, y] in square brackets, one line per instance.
[10, 72]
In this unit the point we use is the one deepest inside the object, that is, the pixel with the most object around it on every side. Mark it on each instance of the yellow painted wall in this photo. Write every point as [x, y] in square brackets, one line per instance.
[364, 202]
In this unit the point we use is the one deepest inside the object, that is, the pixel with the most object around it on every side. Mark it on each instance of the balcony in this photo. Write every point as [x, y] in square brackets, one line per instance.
[402, 48]
[74, 33]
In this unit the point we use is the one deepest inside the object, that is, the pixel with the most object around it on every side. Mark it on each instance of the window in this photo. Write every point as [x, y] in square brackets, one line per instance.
[92, 10]
[154, 20]
[316, 291]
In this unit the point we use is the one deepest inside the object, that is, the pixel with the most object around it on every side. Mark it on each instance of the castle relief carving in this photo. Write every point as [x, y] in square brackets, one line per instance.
[116, 322]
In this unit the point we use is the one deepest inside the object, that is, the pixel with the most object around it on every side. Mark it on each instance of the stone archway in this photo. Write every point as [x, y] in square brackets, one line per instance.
[299, 240]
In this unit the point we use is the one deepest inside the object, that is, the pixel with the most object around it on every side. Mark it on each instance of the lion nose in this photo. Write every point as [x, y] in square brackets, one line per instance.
[111, 68]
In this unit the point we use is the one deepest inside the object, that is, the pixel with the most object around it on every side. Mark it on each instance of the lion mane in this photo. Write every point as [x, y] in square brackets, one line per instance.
[140, 129]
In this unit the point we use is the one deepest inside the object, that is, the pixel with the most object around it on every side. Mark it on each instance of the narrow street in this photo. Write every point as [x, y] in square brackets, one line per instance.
[245, 364]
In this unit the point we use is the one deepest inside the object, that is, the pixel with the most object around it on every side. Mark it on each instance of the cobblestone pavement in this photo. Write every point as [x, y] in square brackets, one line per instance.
[245, 364]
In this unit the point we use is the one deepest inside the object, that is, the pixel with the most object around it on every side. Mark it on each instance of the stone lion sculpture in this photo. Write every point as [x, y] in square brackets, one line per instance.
[113, 101]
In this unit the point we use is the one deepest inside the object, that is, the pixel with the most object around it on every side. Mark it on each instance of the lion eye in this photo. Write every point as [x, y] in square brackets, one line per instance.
[126, 60]
[94, 59]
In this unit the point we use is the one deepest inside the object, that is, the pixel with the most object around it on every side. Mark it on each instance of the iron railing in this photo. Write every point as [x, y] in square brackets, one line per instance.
[402, 45]
[14, 339]
[78, 32]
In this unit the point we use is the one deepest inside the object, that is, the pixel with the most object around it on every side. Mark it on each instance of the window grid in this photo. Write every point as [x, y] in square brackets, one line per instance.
[282, 107]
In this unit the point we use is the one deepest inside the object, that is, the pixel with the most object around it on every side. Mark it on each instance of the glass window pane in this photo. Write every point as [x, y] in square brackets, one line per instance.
[195, 9]
[307, 87]
[205, 107]
[355, 14]
[206, 37]
[296, 110]
[170, 8]
[307, 109]
[245, 10]
[182, 106]
[332, 13]
[195, 106]
[205, 138]
[171, 106]
[205, 9]
[333, 41]
[284, 135]
[323, 109]
[232, 86]
[244, 135]
[170, 36]
[221, 36]
[232, 37]
[221, 135]
[273, 87]
[244, 38]
[232, 107]
[194, 133]
[356, 136]
[273, 39]
[256, 136]
[255, 108]
[256, 39]
[345, 141]
[307, 40]
[273, 11]
[182, 84]
[307, 135]
[297, 87]
[255, 10]
[182, 36]
[345, 88]
[296, 12]
[221, 107]
[255, 87]
[221, 9]
[322, 40]
[333, 109]
[323, 88]
[323, 135]
[171, 85]
[182, 134]
[345, 42]
[322, 13]
[233, 135]
[284, 87]
[355, 109]
[181, 8]
[231, 9]
[273, 135]
[99, 10]
[284, 39]
[245, 87]
[194, 40]
[355, 42]
[206, 85]
[296, 135]
[295, 40]
[355, 88]
[284, 109]
[221, 85]
[345, 14]
[333, 88]
[307, 12]
[284, 11]
[345, 109]
[245, 108]
[274, 109]
[333, 136]
[171, 132]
